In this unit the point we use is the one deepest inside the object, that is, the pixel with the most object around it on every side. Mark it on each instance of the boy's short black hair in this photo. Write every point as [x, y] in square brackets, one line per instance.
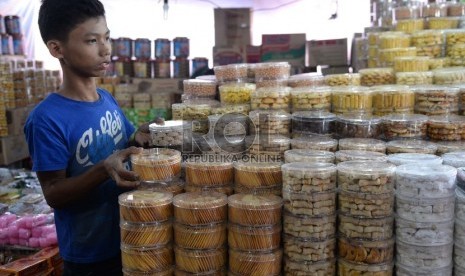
[58, 17]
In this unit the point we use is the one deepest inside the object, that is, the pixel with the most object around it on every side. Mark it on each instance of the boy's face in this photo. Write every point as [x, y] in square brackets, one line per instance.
[88, 48]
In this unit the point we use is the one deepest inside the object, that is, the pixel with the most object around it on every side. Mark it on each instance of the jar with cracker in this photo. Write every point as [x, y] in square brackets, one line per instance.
[455, 36]
[231, 73]
[293, 267]
[425, 209]
[312, 228]
[366, 228]
[271, 83]
[424, 257]
[308, 155]
[376, 76]
[401, 12]
[438, 63]
[366, 205]
[449, 146]
[450, 75]
[315, 143]
[236, 93]
[414, 78]
[310, 98]
[270, 122]
[366, 251]
[362, 144]
[310, 204]
[200, 88]
[309, 177]
[446, 128]
[342, 79]
[272, 71]
[455, 9]
[313, 122]
[172, 134]
[271, 98]
[436, 100]
[404, 126]
[358, 126]
[305, 80]
[267, 145]
[429, 43]
[315, 251]
[230, 124]
[359, 155]
[387, 56]
[407, 270]
[411, 64]
[419, 158]
[411, 146]
[454, 159]
[431, 233]
[389, 99]
[351, 99]
[157, 164]
[229, 108]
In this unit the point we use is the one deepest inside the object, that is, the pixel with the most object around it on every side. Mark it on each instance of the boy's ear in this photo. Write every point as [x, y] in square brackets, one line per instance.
[55, 48]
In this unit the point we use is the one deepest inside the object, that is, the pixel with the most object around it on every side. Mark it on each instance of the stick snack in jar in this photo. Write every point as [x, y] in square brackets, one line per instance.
[347, 99]
[404, 126]
[308, 177]
[391, 40]
[209, 174]
[146, 234]
[411, 64]
[147, 259]
[388, 99]
[200, 208]
[442, 23]
[446, 127]
[236, 93]
[410, 25]
[376, 76]
[200, 236]
[366, 144]
[252, 263]
[387, 56]
[197, 261]
[157, 164]
[254, 210]
[311, 98]
[271, 98]
[257, 174]
[254, 239]
[308, 156]
[145, 206]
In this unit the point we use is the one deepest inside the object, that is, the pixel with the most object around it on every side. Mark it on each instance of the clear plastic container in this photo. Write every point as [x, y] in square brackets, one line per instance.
[365, 205]
[271, 83]
[376, 252]
[359, 155]
[200, 261]
[303, 268]
[459, 253]
[415, 271]
[434, 10]
[315, 143]
[459, 233]
[145, 206]
[394, 40]
[308, 177]
[265, 190]
[200, 237]
[200, 208]
[449, 146]
[157, 164]
[268, 144]
[146, 234]
[226, 125]
[425, 209]
[404, 126]
[446, 127]
[310, 228]
[408, 11]
[174, 187]
[171, 133]
[305, 80]
[425, 181]
[228, 108]
[226, 189]
[343, 79]
[454, 159]
[272, 70]
[345, 268]
[366, 144]
[177, 110]
[428, 37]
[435, 52]
[313, 204]
[387, 56]
[410, 146]
[257, 174]
[422, 233]
[389, 99]
[450, 75]
[455, 9]
[313, 122]
[270, 122]
[219, 272]
[199, 88]
[436, 99]
[376, 76]
[315, 251]
[461, 181]
[311, 98]
[147, 258]
[358, 126]
[254, 239]
[309, 156]
[411, 64]
[414, 78]
[230, 72]
[254, 210]
[410, 25]
[352, 99]
[366, 177]
[236, 93]
[130, 272]
[455, 36]
[209, 174]
[423, 256]
[416, 158]
[252, 263]
[442, 23]
[271, 98]
[365, 228]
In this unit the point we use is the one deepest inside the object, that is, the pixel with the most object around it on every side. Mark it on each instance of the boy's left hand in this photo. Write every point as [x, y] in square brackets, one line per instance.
[142, 136]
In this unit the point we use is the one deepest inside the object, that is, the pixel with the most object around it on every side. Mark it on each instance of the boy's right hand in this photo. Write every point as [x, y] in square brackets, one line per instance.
[114, 165]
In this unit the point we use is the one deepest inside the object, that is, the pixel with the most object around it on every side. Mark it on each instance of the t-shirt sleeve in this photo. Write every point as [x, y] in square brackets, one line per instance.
[47, 146]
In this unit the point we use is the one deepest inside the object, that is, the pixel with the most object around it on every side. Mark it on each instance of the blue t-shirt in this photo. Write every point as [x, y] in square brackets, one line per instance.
[64, 134]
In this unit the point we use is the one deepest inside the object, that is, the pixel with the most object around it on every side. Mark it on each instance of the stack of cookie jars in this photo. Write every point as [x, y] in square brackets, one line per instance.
[459, 233]
[254, 234]
[309, 193]
[366, 215]
[425, 196]
[146, 232]
[200, 235]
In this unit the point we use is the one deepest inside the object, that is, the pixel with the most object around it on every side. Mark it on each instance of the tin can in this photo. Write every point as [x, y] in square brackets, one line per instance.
[181, 47]
[142, 48]
[123, 47]
[162, 48]
[162, 68]
[2, 25]
[7, 44]
[123, 68]
[142, 68]
[12, 25]
[18, 45]
[199, 63]
[181, 68]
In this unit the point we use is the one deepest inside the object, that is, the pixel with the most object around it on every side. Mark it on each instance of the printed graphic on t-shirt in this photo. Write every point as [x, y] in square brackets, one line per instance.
[97, 144]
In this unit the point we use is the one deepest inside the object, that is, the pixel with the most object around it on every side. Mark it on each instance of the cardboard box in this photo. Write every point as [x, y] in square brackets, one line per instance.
[232, 27]
[16, 119]
[13, 148]
[284, 47]
[158, 85]
[228, 55]
[26, 267]
[252, 54]
[327, 52]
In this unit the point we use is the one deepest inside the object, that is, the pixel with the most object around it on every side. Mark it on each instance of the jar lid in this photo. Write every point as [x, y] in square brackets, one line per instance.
[201, 82]
[145, 198]
[359, 143]
[244, 85]
[447, 119]
[359, 118]
[351, 89]
[361, 155]
[413, 144]
[455, 159]
[171, 124]
[366, 167]
[200, 200]
[420, 171]
[273, 91]
[315, 140]
[406, 118]
[255, 202]
[391, 88]
[269, 114]
[312, 115]
[257, 166]
[311, 89]
[422, 158]
[207, 165]
[309, 153]
[435, 88]
[308, 167]
[384, 70]
[156, 155]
